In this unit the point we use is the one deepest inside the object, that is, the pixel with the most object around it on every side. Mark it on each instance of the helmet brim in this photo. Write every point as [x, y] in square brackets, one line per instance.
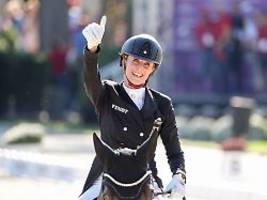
[141, 58]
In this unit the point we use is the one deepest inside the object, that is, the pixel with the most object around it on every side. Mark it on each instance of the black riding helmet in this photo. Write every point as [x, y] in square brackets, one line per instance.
[144, 47]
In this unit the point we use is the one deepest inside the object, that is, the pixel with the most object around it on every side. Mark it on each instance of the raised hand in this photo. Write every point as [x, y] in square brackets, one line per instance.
[94, 32]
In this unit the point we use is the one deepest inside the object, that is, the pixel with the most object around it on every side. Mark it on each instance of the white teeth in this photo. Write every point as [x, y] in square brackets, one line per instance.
[136, 74]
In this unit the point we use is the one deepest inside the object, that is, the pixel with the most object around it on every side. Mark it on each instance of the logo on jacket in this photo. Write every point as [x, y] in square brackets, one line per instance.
[118, 108]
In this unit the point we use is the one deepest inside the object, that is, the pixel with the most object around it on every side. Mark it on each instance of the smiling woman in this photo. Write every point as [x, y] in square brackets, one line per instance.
[140, 57]
[137, 71]
[127, 112]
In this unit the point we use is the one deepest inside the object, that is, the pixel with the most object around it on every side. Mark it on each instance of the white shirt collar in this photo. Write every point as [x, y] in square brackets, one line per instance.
[137, 95]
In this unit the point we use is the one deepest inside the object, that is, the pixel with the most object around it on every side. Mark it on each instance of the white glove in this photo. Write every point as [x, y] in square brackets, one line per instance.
[94, 32]
[176, 187]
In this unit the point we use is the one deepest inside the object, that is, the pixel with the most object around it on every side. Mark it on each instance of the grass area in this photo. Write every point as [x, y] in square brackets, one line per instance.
[200, 143]
[57, 126]
[257, 146]
[62, 126]
[252, 146]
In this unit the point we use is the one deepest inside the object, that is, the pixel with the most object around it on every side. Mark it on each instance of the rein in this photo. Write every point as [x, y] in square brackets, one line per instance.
[128, 184]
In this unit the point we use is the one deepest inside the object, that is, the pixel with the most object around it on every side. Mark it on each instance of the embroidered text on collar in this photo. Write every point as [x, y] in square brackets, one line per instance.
[118, 108]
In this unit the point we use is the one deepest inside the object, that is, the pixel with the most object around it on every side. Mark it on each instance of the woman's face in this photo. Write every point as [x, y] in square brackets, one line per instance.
[137, 71]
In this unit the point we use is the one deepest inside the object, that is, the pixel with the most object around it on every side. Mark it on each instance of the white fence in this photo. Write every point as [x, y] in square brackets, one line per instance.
[20, 163]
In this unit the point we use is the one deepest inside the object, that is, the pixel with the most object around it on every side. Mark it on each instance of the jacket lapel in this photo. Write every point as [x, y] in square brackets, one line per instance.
[149, 108]
[134, 111]
[150, 111]
[126, 97]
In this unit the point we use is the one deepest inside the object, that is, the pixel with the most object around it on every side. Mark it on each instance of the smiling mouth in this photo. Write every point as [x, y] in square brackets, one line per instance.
[137, 75]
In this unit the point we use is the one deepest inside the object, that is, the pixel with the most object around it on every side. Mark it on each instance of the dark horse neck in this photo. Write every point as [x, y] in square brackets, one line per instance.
[108, 194]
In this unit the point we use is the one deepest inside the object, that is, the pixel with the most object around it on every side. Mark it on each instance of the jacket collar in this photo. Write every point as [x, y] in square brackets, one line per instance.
[149, 111]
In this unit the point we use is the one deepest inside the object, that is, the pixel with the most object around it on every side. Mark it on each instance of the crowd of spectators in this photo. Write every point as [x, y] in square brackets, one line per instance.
[233, 50]
[20, 25]
[19, 29]
[231, 47]
[20, 20]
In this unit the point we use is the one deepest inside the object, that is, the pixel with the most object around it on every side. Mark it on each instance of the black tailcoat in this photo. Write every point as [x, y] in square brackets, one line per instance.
[122, 124]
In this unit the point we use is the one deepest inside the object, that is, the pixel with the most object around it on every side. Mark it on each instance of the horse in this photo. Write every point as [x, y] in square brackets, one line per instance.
[126, 175]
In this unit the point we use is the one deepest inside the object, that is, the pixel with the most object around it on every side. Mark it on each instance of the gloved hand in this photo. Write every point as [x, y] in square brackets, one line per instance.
[94, 32]
[176, 187]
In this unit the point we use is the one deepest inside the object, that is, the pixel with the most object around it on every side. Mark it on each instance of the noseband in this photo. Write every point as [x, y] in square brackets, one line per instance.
[140, 180]
[127, 191]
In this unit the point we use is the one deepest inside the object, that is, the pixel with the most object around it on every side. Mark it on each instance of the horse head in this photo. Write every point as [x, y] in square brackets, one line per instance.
[126, 175]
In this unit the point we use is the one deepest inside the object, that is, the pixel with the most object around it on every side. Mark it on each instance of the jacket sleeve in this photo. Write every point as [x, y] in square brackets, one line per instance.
[92, 82]
[170, 138]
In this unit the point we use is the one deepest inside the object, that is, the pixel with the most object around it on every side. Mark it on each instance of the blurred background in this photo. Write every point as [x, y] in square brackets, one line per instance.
[214, 68]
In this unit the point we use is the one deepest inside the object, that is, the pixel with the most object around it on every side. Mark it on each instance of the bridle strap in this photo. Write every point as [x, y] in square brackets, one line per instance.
[127, 184]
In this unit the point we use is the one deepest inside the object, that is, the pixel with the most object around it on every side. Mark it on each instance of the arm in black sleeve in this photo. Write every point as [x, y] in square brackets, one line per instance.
[152, 165]
[92, 81]
[170, 138]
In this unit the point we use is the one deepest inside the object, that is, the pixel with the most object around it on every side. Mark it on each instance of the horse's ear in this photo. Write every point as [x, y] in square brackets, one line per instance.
[103, 151]
[147, 149]
[98, 147]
